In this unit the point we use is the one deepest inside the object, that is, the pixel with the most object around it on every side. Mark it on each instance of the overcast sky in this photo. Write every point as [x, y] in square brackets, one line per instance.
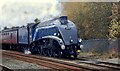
[20, 12]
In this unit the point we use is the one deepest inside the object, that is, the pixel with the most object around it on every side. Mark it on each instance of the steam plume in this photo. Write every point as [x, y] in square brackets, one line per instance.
[21, 12]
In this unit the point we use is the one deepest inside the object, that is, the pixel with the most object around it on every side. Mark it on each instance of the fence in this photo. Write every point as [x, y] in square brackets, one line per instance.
[101, 45]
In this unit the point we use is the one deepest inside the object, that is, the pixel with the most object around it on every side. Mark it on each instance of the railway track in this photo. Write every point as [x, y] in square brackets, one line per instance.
[99, 63]
[55, 63]
[4, 68]
[41, 61]
[106, 65]
[96, 63]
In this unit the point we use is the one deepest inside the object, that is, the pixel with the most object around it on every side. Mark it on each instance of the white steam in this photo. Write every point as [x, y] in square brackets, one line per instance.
[21, 12]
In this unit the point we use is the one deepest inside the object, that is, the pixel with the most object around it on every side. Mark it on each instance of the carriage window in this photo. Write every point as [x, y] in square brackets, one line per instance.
[11, 36]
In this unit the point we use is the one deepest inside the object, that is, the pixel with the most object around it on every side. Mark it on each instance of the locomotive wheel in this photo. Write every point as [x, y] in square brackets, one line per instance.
[24, 48]
[39, 49]
[54, 53]
[45, 52]
[32, 48]
[60, 54]
[50, 52]
[75, 55]
[10, 47]
[21, 48]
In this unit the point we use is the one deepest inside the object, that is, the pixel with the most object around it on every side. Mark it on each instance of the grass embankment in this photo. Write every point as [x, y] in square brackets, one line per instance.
[95, 55]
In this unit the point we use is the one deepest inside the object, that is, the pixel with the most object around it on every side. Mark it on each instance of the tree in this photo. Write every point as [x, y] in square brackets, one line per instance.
[91, 19]
[114, 29]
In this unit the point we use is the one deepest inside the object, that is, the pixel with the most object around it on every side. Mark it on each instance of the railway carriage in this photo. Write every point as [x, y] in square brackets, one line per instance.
[9, 38]
[1, 39]
[56, 37]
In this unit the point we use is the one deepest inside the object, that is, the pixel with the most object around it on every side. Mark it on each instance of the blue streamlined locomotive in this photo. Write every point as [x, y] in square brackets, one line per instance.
[56, 37]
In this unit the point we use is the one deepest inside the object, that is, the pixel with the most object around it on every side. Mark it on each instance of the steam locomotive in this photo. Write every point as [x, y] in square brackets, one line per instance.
[56, 37]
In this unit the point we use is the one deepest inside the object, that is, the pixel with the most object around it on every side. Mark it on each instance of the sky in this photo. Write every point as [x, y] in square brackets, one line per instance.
[21, 12]
[90, 0]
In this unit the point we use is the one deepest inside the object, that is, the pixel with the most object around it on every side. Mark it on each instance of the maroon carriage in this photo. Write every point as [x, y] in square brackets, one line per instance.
[9, 38]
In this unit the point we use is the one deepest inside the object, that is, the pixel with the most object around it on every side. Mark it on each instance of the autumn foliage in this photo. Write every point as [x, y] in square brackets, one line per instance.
[92, 19]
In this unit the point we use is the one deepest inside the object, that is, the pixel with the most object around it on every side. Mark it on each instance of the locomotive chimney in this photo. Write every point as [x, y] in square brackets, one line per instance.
[37, 21]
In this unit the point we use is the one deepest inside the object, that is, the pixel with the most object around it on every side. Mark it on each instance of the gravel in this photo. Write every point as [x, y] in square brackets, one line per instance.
[16, 64]
[113, 60]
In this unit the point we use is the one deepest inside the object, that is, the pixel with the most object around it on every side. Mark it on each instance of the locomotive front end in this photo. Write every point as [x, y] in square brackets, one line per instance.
[68, 32]
[56, 37]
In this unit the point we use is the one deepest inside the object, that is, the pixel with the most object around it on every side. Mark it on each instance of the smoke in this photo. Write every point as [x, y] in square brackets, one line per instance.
[21, 12]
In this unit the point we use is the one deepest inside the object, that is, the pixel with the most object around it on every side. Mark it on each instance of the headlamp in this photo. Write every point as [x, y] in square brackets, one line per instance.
[62, 47]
